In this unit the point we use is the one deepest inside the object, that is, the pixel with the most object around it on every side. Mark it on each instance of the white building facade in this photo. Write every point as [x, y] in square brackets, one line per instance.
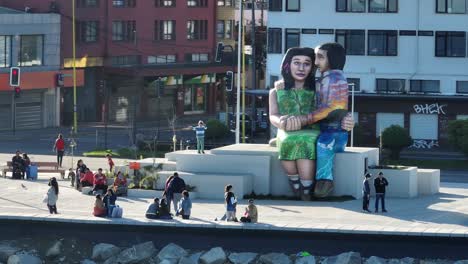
[408, 59]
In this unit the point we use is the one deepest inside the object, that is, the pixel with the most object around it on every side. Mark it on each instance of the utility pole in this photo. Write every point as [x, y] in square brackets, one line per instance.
[239, 58]
[75, 117]
[135, 94]
[252, 36]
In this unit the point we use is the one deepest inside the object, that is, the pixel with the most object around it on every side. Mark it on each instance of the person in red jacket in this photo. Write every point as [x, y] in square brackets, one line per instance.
[59, 147]
[100, 182]
[87, 179]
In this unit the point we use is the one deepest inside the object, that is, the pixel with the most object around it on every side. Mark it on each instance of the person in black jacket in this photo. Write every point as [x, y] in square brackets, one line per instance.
[380, 183]
[174, 191]
[366, 193]
[18, 166]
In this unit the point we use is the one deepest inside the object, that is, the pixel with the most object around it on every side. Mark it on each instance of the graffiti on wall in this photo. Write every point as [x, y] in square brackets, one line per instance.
[429, 109]
[425, 144]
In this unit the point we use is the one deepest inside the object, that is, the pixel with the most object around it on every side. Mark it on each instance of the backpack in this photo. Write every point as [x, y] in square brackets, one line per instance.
[117, 212]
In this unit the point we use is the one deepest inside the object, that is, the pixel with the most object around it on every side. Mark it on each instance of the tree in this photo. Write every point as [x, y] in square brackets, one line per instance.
[396, 138]
[216, 129]
[458, 135]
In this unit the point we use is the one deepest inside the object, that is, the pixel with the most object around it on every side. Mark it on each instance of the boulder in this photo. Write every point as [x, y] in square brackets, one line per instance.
[55, 250]
[274, 258]
[376, 260]
[465, 261]
[402, 261]
[214, 256]
[344, 258]
[103, 251]
[137, 253]
[7, 250]
[23, 259]
[242, 258]
[192, 259]
[87, 261]
[172, 252]
[306, 260]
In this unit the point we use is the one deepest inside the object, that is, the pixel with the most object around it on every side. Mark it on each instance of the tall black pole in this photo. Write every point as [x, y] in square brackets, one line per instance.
[252, 35]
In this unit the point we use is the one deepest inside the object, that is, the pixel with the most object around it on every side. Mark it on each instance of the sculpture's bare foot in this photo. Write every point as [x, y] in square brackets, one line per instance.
[323, 188]
[272, 142]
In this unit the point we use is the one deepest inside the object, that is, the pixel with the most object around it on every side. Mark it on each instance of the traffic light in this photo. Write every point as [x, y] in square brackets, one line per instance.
[17, 91]
[229, 79]
[219, 52]
[59, 79]
[15, 76]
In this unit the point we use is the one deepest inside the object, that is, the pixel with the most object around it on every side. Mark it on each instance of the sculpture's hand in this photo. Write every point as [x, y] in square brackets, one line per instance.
[347, 123]
[293, 123]
[283, 122]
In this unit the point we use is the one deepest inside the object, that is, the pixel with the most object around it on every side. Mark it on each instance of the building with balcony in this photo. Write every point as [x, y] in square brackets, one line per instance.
[407, 59]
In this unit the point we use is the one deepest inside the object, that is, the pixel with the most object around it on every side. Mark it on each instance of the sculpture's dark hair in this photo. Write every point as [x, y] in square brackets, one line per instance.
[336, 55]
[286, 67]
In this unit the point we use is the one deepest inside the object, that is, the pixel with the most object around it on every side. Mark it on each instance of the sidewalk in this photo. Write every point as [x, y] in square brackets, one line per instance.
[444, 214]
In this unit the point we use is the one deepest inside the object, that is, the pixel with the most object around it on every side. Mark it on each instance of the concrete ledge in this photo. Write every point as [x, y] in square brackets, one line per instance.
[428, 181]
[402, 183]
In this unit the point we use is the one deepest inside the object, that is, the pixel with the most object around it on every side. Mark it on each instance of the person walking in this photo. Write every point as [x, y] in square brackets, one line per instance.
[174, 192]
[59, 147]
[200, 134]
[380, 184]
[231, 203]
[366, 193]
[52, 195]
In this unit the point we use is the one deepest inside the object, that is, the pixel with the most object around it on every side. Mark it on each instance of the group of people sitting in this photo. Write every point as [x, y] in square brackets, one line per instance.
[103, 206]
[21, 166]
[84, 177]
[160, 209]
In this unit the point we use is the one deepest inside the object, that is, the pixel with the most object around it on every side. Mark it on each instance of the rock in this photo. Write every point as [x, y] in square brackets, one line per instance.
[111, 260]
[7, 250]
[87, 261]
[23, 259]
[242, 258]
[402, 261]
[344, 258]
[193, 259]
[274, 258]
[465, 261]
[214, 256]
[375, 260]
[306, 260]
[172, 252]
[103, 251]
[55, 250]
[435, 261]
[137, 253]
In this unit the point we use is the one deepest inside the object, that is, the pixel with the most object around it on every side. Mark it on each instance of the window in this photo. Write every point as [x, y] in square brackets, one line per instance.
[450, 44]
[88, 31]
[197, 29]
[164, 29]
[352, 40]
[275, 5]
[197, 57]
[165, 3]
[123, 30]
[197, 3]
[382, 43]
[293, 5]
[390, 85]
[224, 29]
[162, 59]
[292, 38]
[425, 86]
[356, 82]
[274, 40]
[462, 86]
[31, 50]
[358, 6]
[273, 79]
[451, 6]
[224, 2]
[5, 51]
[87, 3]
[383, 6]
[125, 60]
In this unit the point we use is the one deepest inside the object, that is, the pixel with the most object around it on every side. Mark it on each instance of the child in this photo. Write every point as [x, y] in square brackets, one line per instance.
[99, 208]
[110, 162]
[200, 134]
[72, 175]
[153, 210]
[185, 206]
[251, 213]
[120, 184]
[164, 210]
[52, 195]
[26, 164]
[231, 203]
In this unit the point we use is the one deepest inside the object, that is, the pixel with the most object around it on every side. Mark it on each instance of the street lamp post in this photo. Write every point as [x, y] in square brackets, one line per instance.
[75, 118]
[239, 53]
[352, 112]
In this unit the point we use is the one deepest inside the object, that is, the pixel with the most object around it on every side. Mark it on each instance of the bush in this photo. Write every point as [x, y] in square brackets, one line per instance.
[216, 129]
[458, 135]
[396, 138]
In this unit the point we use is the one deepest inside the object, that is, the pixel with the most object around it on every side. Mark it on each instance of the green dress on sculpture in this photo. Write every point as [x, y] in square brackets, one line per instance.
[300, 144]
